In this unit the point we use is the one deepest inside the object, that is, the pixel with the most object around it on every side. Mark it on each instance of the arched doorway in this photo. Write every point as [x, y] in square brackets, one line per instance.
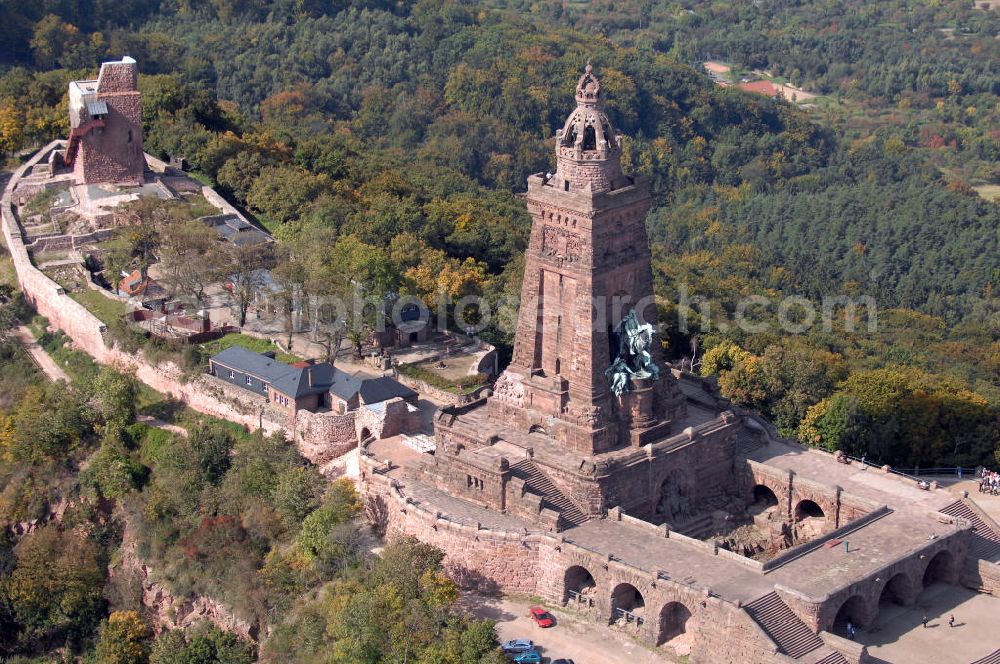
[808, 509]
[899, 591]
[764, 497]
[674, 619]
[939, 569]
[851, 612]
[674, 504]
[579, 586]
[365, 434]
[627, 604]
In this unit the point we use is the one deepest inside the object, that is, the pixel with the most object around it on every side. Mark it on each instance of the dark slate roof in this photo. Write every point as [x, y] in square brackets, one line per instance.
[344, 385]
[375, 390]
[247, 361]
[233, 229]
[295, 382]
[289, 380]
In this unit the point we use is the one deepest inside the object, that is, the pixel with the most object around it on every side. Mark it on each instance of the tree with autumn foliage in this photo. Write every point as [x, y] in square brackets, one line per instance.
[905, 417]
[123, 639]
[399, 607]
[55, 588]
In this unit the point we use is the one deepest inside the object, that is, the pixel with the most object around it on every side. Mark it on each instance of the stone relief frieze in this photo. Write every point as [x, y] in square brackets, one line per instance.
[562, 244]
[509, 390]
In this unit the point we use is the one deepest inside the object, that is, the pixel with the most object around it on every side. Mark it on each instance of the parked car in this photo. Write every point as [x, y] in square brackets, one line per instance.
[515, 646]
[541, 617]
[529, 657]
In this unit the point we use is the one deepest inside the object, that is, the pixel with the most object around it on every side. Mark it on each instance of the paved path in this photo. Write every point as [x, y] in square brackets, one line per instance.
[55, 373]
[573, 637]
[899, 637]
[160, 424]
[42, 359]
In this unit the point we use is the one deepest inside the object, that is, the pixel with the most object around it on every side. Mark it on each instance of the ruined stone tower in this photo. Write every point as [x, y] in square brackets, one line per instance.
[587, 264]
[105, 141]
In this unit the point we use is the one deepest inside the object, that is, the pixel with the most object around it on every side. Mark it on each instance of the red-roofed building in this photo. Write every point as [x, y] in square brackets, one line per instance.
[761, 88]
[139, 287]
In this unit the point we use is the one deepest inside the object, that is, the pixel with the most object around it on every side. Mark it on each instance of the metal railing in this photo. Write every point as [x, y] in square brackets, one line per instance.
[917, 472]
[580, 598]
[628, 616]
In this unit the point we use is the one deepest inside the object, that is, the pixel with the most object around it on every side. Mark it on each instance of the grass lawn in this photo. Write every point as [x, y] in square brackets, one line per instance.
[469, 384]
[7, 274]
[250, 343]
[103, 307]
[202, 178]
[200, 207]
[80, 366]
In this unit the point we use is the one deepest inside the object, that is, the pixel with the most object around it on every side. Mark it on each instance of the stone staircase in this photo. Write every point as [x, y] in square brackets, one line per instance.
[833, 658]
[699, 526]
[985, 539]
[792, 636]
[552, 498]
[992, 658]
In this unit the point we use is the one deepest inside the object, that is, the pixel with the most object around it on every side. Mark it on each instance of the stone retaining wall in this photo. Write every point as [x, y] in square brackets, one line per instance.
[982, 575]
[324, 436]
[438, 394]
[87, 331]
[536, 563]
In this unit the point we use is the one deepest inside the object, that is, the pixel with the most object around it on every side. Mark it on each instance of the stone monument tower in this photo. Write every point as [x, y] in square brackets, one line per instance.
[578, 373]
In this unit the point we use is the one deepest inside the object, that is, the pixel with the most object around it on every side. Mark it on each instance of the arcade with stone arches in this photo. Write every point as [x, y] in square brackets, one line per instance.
[899, 587]
[666, 619]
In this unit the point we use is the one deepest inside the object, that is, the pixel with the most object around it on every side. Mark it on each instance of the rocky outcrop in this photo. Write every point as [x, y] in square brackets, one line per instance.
[162, 608]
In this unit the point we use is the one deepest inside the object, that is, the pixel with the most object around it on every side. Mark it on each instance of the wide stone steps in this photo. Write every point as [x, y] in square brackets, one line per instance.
[793, 637]
[992, 658]
[552, 498]
[833, 658]
[698, 527]
[985, 540]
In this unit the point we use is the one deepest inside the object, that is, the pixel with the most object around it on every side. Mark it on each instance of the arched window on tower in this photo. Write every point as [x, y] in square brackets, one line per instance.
[608, 136]
[589, 138]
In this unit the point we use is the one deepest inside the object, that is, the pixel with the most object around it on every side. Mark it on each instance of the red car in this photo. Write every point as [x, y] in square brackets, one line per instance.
[541, 617]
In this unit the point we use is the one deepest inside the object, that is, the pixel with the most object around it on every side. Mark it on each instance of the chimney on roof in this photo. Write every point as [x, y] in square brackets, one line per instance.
[309, 376]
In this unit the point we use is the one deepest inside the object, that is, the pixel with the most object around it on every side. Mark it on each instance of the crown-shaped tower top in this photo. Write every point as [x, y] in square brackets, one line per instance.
[588, 150]
[588, 88]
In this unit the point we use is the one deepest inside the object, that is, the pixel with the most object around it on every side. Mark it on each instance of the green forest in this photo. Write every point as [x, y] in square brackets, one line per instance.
[388, 142]
[393, 140]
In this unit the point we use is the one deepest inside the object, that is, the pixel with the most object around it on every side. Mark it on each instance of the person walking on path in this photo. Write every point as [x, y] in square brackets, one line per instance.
[924, 621]
[850, 630]
[951, 621]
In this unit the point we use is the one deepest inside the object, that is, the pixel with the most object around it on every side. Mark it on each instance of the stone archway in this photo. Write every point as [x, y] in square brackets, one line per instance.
[809, 521]
[365, 434]
[627, 604]
[808, 509]
[674, 503]
[899, 590]
[939, 569]
[579, 586]
[854, 612]
[764, 496]
[675, 623]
